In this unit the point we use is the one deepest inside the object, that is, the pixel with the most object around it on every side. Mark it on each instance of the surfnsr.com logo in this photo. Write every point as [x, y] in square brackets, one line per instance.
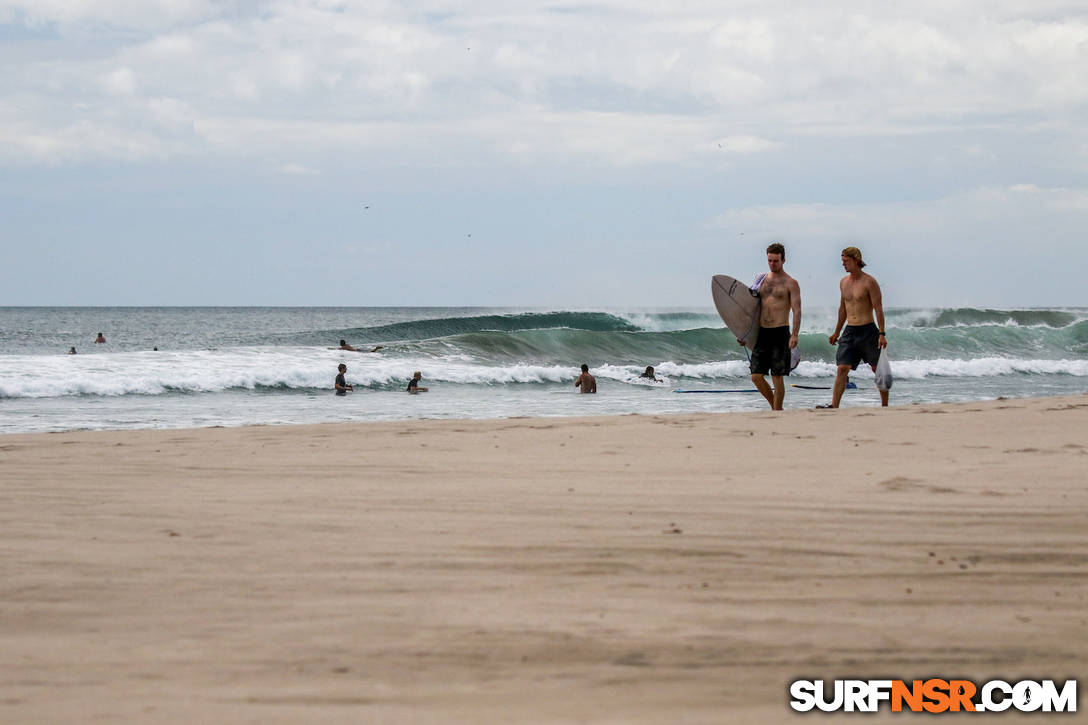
[933, 696]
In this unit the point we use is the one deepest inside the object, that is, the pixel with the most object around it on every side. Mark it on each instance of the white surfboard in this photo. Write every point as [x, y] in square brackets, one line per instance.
[738, 306]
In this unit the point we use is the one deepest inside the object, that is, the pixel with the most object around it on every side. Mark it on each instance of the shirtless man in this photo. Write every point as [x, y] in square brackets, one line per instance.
[780, 295]
[585, 381]
[862, 340]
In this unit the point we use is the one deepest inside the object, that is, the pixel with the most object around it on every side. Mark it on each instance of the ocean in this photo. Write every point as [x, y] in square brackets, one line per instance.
[230, 366]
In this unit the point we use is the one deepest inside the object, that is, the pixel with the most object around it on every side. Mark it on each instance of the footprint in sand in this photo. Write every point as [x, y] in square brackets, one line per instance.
[632, 659]
[1043, 451]
[901, 483]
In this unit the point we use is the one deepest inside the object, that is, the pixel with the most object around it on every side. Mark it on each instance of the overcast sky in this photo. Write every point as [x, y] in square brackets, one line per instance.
[617, 153]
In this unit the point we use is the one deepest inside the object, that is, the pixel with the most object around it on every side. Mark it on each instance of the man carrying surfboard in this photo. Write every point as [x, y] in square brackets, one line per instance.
[779, 295]
[863, 339]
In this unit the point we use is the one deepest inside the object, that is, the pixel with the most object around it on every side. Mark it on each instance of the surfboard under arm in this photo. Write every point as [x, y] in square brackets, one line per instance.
[737, 306]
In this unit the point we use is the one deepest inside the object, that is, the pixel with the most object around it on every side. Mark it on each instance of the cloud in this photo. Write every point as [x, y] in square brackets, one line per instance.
[76, 141]
[982, 244]
[745, 144]
[298, 170]
[121, 82]
[543, 80]
[128, 14]
[1005, 211]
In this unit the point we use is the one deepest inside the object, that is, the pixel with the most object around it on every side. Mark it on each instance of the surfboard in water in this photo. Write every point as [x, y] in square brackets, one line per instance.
[850, 385]
[738, 307]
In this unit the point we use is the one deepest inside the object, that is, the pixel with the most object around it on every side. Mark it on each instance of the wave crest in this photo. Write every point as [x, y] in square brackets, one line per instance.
[437, 327]
[975, 317]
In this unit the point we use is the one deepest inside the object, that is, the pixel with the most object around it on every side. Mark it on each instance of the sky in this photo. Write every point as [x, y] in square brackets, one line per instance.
[564, 155]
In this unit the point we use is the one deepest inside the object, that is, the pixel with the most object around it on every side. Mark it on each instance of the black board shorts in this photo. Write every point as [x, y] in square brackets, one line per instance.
[772, 351]
[858, 343]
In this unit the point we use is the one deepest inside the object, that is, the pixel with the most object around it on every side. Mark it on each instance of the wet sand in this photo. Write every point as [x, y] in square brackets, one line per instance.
[636, 569]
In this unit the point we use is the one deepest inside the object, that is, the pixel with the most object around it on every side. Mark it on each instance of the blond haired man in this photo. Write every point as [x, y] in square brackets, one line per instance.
[861, 309]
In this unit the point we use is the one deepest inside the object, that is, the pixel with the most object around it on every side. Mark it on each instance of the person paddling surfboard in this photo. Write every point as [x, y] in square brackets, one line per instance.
[345, 346]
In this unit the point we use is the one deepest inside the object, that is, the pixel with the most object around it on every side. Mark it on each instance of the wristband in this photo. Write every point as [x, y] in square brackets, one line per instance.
[881, 333]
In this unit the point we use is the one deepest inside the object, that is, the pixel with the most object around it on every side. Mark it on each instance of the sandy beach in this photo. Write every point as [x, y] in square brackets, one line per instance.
[634, 569]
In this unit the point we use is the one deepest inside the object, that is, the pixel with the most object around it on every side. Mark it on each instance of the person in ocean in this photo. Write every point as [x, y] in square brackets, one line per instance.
[413, 384]
[72, 350]
[863, 338]
[100, 338]
[345, 346]
[341, 384]
[585, 381]
[779, 294]
[650, 374]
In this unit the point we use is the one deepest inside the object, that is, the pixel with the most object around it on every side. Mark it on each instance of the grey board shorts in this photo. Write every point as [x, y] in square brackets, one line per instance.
[857, 344]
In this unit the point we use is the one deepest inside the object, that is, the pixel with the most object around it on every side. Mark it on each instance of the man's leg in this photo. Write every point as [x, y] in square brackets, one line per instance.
[779, 392]
[883, 393]
[841, 376]
[761, 385]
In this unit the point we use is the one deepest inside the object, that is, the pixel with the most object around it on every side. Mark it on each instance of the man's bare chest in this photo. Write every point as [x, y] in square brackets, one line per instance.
[855, 291]
[776, 290]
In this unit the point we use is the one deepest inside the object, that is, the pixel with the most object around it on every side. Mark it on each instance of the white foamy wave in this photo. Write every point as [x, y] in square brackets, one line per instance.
[978, 368]
[678, 321]
[903, 318]
[463, 373]
[1027, 318]
[211, 371]
[917, 369]
[711, 370]
[643, 321]
[987, 367]
[155, 373]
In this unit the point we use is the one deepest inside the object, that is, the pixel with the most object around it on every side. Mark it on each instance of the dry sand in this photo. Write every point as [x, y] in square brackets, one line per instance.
[638, 569]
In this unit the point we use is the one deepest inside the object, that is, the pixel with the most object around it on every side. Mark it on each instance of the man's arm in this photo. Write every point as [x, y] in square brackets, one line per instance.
[842, 318]
[878, 309]
[795, 305]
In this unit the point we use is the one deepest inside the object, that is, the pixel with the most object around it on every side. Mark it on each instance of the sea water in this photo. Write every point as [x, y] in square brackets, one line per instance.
[241, 366]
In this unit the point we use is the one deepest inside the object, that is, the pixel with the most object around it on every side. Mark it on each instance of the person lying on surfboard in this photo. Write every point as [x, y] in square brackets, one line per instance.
[345, 346]
[779, 295]
[650, 374]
